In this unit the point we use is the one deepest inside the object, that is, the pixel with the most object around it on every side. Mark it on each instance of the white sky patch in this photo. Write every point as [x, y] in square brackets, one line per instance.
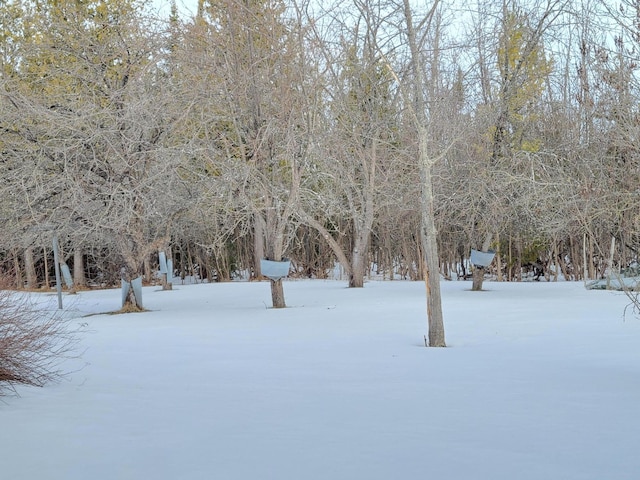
[187, 8]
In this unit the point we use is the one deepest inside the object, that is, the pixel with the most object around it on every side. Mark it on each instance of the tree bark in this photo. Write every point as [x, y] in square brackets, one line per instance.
[258, 243]
[17, 270]
[478, 278]
[146, 268]
[359, 255]
[79, 278]
[277, 294]
[30, 269]
[358, 264]
[46, 268]
[431, 267]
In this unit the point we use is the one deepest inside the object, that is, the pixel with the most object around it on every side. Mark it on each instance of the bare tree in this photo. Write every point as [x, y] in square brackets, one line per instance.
[259, 117]
[353, 176]
[512, 74]
[95, 127]
[426, 160]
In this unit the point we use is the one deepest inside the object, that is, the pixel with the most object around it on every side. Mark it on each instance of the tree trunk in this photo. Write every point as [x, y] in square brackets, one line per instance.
[274, 249]
[478, 278]
[166, 284]
[131, 302]
[358, 264]
[555, 263]
[46, 268]
[428, 232]
[584, 258]
[333, 244]
[277, 294]
[79, 279]
[258, 243]
[17, 270]
[30, 269]
[146, 268]
[432, 283]
[499, 258]
[593, 272]
[510, 262]
[429, 240]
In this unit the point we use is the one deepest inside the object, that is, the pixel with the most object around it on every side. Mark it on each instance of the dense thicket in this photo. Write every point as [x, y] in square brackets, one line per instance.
[280, 128]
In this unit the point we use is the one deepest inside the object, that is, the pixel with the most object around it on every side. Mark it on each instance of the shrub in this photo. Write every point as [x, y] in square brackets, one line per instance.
[33, 343]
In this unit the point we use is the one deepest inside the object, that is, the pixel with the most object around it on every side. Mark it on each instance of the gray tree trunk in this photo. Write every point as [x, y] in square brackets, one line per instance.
[17, 270]
[30, 269]
[478, 278]
[274, 239]
[277, 294]
[146, 268]
[258, 243]
[360, 253]
[358, 264]
[79, 278]
[431, 268]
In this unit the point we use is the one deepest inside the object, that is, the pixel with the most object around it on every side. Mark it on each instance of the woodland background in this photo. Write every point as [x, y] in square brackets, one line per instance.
[269, 129]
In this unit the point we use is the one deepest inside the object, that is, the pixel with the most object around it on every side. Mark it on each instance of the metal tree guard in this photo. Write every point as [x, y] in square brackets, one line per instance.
[482, 259]
[275, 270]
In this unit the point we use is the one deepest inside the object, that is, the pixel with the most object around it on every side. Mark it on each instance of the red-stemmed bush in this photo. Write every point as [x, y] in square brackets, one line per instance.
[34, 342]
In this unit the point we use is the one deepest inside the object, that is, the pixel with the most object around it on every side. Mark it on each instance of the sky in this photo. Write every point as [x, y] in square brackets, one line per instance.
[164, 6]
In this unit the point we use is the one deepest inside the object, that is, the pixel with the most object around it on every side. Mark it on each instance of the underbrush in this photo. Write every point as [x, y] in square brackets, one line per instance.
[34, 342]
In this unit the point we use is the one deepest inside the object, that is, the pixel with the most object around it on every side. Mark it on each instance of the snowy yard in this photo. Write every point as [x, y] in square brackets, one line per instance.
[540, 381]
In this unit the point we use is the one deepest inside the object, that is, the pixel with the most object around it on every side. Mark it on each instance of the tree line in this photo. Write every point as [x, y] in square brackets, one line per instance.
[390, 136]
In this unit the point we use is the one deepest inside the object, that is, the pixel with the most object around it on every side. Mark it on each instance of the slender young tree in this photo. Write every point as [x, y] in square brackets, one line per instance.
[426, 161]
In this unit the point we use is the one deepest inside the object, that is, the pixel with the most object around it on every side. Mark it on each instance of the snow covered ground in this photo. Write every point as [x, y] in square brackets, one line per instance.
[540, 381]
